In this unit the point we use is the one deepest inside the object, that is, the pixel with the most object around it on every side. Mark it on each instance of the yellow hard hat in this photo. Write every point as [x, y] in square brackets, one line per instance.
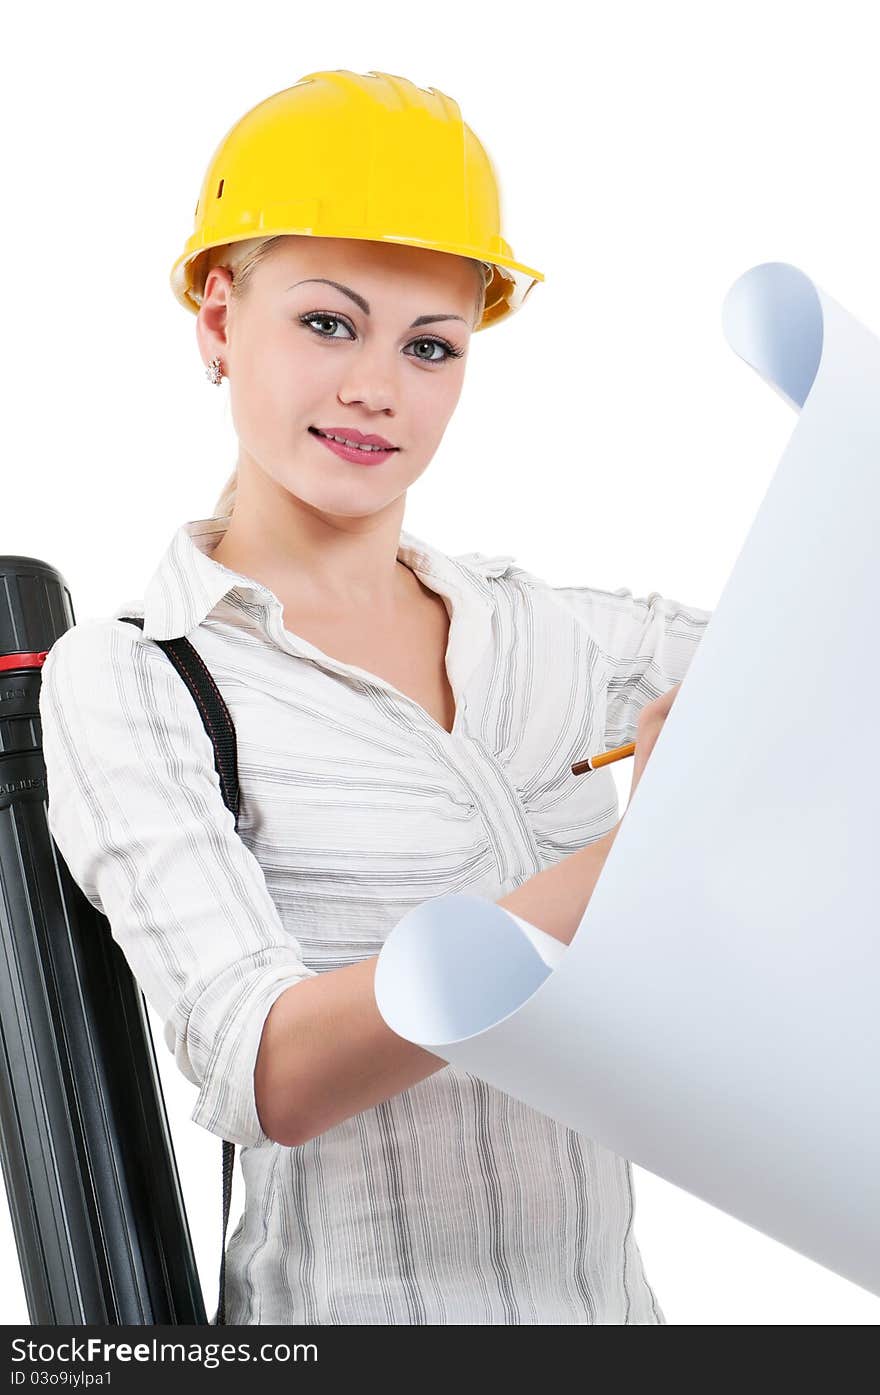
[360, 155]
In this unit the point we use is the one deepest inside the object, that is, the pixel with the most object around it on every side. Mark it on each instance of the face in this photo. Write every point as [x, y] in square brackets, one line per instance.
[301, 354]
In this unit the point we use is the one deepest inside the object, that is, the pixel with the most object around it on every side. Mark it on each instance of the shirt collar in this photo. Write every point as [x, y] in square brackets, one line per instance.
[188, 583]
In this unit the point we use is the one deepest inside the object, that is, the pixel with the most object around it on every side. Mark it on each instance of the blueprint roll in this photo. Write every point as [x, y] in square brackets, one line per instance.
[91, 1180]
[715, 1017]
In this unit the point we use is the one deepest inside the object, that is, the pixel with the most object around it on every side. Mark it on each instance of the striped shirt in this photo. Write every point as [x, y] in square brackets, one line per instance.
[450, 1202]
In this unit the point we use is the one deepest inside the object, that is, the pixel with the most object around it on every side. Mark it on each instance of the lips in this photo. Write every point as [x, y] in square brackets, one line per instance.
[348, 433]
[356, 455]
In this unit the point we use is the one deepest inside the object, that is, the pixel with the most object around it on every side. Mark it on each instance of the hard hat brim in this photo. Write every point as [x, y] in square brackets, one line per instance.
[505, 293]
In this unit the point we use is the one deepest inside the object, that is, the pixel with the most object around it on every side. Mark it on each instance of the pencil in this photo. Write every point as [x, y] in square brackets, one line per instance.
[580, 767]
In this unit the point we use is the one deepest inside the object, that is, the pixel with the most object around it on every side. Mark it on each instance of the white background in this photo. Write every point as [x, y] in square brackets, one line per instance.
[606, 435]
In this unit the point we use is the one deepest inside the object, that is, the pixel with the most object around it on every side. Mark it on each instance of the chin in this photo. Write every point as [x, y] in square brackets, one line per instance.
[344, 503]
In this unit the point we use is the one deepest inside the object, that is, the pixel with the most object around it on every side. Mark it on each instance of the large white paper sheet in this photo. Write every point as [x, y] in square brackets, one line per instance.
[715, 1018]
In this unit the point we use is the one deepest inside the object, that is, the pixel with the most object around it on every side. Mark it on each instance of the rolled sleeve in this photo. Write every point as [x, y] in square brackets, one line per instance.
[648, 642]
[136, 810]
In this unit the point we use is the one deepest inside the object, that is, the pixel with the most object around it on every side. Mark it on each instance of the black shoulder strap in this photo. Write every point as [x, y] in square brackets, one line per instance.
[219, 726]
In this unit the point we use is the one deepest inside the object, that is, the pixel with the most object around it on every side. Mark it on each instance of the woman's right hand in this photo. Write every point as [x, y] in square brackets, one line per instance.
[650, 724]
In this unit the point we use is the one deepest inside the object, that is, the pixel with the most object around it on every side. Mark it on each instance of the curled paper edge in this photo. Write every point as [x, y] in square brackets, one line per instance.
[450, 961]
[772, 318]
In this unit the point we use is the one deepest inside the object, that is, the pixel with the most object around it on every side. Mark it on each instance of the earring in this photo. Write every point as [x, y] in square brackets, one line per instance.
[214, 371]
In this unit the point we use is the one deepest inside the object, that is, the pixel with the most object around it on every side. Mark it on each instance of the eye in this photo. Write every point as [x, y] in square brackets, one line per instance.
[327, 318]
[450, 352]
[318, 316]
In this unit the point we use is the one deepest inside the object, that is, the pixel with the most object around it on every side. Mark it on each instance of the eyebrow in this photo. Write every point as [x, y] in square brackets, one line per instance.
[359, 300]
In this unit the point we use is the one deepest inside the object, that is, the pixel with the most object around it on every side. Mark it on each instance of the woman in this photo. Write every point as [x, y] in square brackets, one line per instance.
[406, 722]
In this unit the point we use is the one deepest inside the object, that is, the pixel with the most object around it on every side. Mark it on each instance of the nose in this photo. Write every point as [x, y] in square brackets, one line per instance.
[369, 382]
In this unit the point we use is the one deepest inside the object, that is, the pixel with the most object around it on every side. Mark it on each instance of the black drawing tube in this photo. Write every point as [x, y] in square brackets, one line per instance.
[87, 1156]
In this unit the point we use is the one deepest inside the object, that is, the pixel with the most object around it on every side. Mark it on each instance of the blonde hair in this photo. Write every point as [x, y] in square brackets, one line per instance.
[241, 258]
